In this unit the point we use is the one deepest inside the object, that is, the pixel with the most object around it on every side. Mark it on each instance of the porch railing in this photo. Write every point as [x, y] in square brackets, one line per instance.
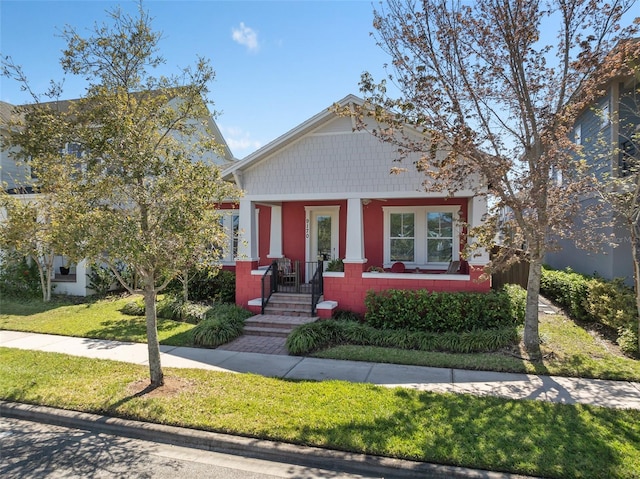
[276, 280]
[269, 284]
[317, 287]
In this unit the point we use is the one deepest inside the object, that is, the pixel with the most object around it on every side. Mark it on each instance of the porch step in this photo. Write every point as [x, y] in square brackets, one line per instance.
[273, 325]
[288, 304]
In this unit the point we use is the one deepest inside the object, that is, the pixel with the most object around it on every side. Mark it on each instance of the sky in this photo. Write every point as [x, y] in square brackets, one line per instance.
[277, 63]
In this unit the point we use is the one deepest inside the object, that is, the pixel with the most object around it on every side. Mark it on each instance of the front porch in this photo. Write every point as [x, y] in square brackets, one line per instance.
[359, 232]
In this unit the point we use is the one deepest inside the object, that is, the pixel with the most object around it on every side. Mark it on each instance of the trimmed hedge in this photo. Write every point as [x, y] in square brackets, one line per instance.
[323, 334]
[440, 312]
[587, 298]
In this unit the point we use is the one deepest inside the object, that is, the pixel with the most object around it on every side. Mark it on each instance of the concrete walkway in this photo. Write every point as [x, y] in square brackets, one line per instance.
[613, 394]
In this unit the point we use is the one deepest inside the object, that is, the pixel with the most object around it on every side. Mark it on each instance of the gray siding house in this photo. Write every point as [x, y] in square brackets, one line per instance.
[609, 133]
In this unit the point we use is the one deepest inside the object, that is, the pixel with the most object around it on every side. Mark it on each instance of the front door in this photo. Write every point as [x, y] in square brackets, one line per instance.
[322, 235]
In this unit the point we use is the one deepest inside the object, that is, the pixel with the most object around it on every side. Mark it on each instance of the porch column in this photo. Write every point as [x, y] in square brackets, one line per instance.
[247, 244]
[355, 232]
[476, 212]
[275, 244]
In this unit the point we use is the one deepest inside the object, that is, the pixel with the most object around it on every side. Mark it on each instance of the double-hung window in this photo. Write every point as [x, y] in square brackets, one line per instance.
[421, 236]
[439, 236]
[230, 221]
[402, 237]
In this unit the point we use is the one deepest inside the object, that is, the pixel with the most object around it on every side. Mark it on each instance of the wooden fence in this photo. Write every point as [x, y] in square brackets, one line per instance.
[517, 273]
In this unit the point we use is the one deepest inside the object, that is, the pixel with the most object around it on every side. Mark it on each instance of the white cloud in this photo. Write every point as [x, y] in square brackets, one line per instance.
[246, 36]
[239, 141]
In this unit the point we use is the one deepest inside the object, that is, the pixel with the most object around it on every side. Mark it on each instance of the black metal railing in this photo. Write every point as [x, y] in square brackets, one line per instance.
[317, 287]
[289, 280]
[269, 283]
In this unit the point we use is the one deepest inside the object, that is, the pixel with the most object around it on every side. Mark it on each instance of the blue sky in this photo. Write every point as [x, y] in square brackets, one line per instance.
[277, 63]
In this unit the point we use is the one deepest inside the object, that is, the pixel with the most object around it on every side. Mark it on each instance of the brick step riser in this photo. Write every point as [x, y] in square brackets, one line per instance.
[288, 306]
[262, 324]
[288, 312]
[306, 298]
[266, 332]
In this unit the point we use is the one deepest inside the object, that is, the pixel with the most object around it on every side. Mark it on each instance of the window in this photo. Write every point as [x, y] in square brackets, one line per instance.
[577, 134]
[425, 236]
[402, 237]
[230, 221]
[603, 112]
[439, 237]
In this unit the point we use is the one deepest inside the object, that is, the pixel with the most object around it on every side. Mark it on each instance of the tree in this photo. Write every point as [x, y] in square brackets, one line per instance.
[41, 211]
[146, 179]
[479, 81]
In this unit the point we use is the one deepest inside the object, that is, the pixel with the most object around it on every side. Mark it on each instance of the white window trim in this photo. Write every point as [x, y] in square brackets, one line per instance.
[420, 234]
[227, 258]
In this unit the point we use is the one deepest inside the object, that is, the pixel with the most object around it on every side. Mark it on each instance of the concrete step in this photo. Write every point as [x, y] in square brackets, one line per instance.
[274, 325]
[289, 304]
[262, 331]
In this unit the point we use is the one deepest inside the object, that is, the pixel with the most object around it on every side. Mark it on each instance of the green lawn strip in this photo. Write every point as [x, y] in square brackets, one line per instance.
[527, 437]
[99, 319]
[571, 351]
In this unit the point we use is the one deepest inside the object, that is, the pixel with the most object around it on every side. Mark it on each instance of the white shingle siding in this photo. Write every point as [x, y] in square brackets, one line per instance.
[332, 163]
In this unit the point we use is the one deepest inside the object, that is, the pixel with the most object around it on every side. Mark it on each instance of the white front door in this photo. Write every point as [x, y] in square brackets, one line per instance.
[322, 235]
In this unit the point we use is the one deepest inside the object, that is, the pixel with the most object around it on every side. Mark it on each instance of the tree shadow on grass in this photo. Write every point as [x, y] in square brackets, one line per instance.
[550, 440]
[134, 329]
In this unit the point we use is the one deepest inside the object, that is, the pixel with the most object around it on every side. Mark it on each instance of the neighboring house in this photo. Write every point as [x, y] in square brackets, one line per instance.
[322, 192]
[15, 179]
[608, 133]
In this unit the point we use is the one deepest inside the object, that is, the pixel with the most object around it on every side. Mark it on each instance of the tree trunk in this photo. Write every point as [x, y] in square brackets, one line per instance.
[185, 287]
[531, 333]
[153, 345]
[46, 294]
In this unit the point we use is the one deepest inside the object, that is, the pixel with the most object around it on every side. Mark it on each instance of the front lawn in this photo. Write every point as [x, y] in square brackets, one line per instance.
[99, 319]
[569, 349]
[526, 437]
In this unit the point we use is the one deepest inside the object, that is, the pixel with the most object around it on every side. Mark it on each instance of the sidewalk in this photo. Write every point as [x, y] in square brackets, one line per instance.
[613, 394]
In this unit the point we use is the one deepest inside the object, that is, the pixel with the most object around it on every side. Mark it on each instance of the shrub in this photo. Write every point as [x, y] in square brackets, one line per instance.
[345, 315]
[173, 307]
[628, 341]
[223, 323]
[133, 308]
[335, 265]
[312, 337]
[210, 284]
[443, 312]
[568, 289]
[19, 278]
[101, 279]
[610, 303]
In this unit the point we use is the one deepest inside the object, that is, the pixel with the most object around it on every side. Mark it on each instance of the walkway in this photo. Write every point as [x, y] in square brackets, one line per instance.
[614, 394]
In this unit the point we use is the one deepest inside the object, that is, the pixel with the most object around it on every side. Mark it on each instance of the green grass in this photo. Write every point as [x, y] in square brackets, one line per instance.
[100, 319]
[526, 437]
[569, 350]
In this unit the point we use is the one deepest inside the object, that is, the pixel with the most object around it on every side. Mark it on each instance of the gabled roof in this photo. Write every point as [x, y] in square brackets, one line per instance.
[289, 137]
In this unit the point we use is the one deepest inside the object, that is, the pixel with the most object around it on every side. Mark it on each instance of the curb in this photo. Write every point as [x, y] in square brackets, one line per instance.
[249, 447]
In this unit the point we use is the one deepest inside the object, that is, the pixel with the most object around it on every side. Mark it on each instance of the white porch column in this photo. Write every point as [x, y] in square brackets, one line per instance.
[247, 243]
[275, 244]
[476, 212]
[355, 232]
